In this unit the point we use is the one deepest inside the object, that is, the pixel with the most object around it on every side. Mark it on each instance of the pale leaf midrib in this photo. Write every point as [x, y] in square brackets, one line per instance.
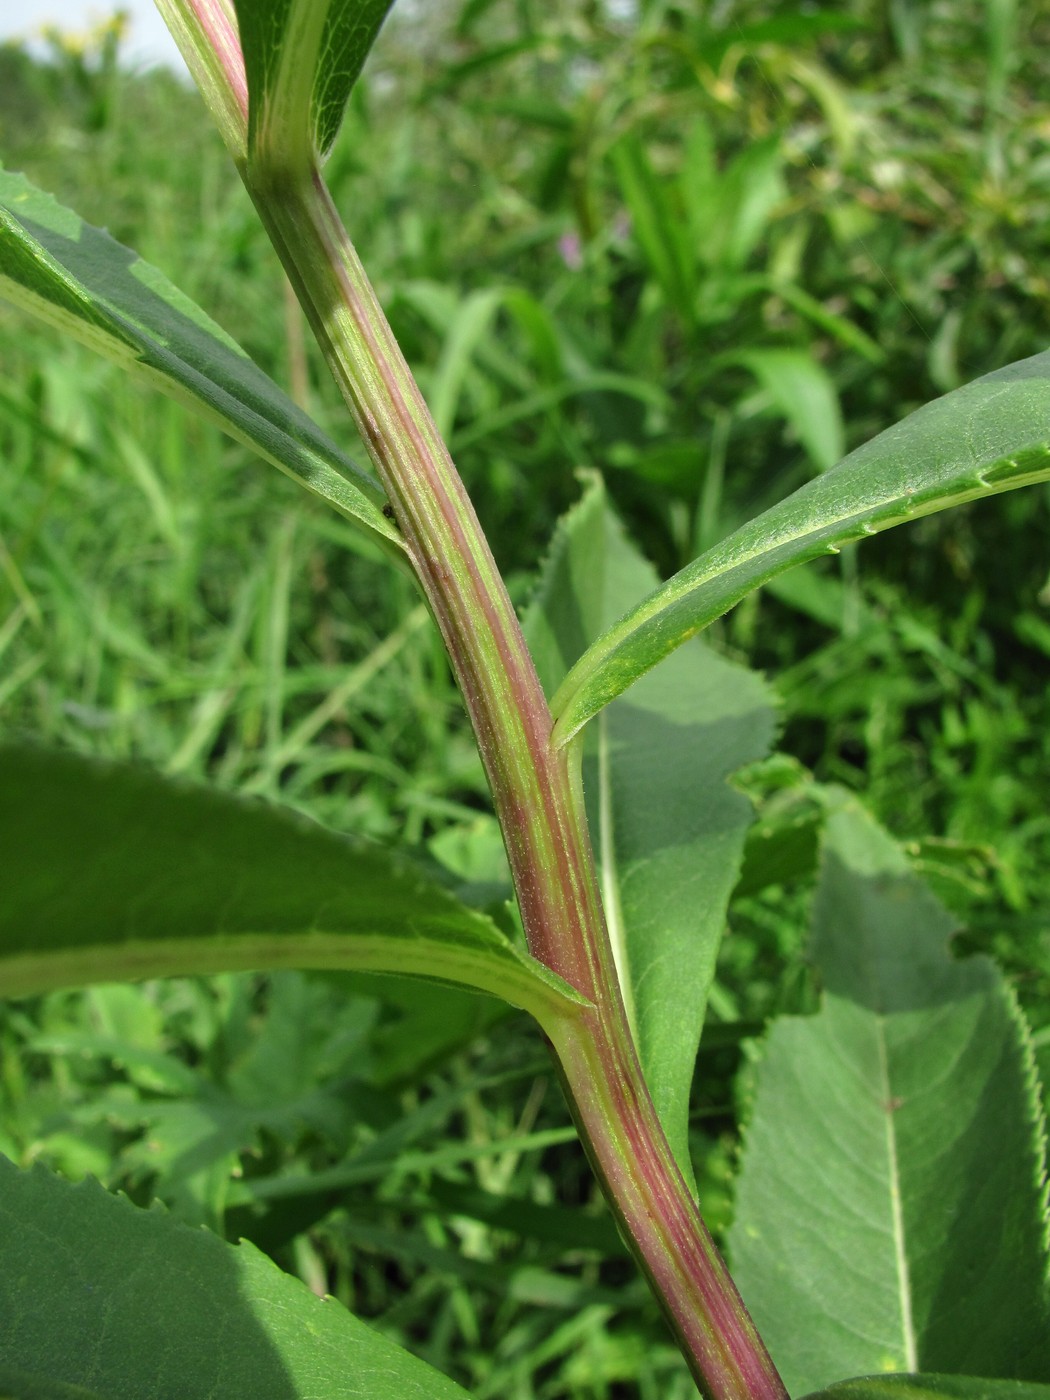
[908, 1339]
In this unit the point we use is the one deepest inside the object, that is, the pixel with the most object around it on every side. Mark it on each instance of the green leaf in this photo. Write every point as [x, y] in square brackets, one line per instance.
[113, 874]
[133, 1306]
[19, 1385]
[802, 390]
[729, 212]
[990, 436]
[891, 1211]
[81, 281]
[427, 1029]
[467, 327]
[661, 234]
[932, 1388]
[830, 322]
[668, 829]
[302, 58]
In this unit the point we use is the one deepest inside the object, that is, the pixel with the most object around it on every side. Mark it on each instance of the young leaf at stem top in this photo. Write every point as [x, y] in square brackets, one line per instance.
[989, 436]
[302, 58]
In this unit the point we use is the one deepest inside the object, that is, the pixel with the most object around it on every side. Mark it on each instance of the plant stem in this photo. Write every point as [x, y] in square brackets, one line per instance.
[658, 1217]
[535, 787]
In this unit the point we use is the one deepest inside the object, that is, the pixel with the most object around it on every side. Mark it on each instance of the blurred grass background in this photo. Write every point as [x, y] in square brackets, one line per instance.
[703, 247]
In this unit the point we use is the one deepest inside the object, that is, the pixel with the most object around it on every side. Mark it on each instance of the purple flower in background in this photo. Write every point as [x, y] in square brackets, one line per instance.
[571, 250]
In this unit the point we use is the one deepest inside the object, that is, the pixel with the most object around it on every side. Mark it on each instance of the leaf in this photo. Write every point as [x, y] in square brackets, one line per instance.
[302, 58]
[133, 1306]
[470, 323]
[727, 211]
[802, 390]
[17, 1385]
[81, 281]
[114, 874]
[891, 1211]
[831, 322]
[669, 830]
[738, 205]
[932, 1388]
[990, 436]
[782, 843]
[426, 1030]
[661, 235]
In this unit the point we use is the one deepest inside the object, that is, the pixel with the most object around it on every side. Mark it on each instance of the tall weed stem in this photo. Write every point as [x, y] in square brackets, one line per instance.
[535, 787]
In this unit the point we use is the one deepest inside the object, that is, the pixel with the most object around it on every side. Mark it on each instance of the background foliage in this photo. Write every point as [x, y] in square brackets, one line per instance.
[703, 248]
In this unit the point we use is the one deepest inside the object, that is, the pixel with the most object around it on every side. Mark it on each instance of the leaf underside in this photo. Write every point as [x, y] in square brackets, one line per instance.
[892, 1210]
[103, 1301]
[80, 280]
[989, 436]
[668, 829]
[113, 874]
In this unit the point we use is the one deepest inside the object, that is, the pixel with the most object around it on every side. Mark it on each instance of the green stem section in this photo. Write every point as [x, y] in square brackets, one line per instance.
[534, 786]
[658, 1217]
